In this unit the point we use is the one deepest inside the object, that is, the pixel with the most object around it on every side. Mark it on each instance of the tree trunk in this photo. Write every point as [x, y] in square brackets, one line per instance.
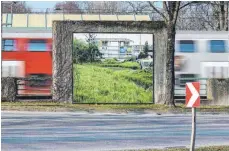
[226, 16]
[170, 76]
[222, 15]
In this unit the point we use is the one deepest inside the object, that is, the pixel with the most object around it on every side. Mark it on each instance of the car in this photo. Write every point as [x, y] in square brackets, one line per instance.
[145, 63]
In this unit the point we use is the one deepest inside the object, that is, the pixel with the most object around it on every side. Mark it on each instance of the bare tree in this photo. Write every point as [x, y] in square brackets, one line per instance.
[111, 7]
[221, 11]
[68, 7]
[197, 16]
[137, 7]
[15, 7]
[204, 16]
[169, 13]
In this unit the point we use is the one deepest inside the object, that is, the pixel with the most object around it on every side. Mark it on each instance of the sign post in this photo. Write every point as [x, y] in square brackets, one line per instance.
[193, 101]
[193, 136]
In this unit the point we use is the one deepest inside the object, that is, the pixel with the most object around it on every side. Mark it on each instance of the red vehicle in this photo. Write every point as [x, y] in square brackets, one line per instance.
[28, 55]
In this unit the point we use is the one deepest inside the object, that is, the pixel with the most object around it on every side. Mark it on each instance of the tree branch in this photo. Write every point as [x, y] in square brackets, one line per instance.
[166, 7]
[154, 8]
[194, 2]
[175, 16]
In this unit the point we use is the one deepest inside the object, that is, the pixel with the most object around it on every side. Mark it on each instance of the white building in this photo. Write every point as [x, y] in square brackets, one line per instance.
[119, 48]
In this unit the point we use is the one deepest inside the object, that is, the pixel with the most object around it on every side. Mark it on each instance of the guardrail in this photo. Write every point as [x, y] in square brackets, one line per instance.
[33, 86]
[180, 85]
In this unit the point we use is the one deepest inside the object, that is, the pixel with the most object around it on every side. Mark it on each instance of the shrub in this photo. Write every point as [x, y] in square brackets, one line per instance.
[132, 65]
[112, 63]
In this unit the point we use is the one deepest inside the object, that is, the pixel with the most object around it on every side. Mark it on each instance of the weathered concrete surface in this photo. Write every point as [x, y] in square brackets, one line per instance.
[218, 91]
[8, 89]
[160, 38]
[62, 49]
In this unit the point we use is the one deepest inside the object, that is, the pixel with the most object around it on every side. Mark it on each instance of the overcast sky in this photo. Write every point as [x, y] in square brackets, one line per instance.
[135, 37]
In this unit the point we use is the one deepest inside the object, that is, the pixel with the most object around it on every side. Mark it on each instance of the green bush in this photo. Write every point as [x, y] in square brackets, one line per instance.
[113, 63]
[133, 58]
[132, 65]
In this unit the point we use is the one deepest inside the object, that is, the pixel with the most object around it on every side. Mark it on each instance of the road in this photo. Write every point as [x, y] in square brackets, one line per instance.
[27, 131]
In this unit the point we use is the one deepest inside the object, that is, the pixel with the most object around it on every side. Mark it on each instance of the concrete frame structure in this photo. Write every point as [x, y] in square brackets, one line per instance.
[62, 89]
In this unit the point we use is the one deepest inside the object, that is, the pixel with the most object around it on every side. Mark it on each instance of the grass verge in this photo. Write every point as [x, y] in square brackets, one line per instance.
[116, 108]
[210, 148]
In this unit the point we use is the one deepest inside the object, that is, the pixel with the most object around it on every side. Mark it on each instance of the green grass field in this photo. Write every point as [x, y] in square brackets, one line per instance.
[94, 84]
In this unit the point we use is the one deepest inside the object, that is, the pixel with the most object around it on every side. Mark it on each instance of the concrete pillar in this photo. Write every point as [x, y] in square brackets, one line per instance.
[159, 70]
[218, 91]
[8, 89]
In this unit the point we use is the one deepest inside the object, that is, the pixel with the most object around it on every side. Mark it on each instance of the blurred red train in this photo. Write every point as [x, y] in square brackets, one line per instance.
[28, 55]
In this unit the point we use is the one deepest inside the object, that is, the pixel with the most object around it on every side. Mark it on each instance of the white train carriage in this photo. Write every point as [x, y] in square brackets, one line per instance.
[201, 55]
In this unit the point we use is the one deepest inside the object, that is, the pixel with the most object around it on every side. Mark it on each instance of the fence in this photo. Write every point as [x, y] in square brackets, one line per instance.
[86, 81]
[33, 86]
[42, 86]
[117, 55]
[180, 85]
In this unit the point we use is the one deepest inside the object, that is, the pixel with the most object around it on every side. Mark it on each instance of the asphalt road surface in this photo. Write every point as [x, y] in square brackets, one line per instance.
[62, 131]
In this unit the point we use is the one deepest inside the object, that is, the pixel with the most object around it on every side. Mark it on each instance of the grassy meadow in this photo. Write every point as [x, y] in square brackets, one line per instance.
[97, 84]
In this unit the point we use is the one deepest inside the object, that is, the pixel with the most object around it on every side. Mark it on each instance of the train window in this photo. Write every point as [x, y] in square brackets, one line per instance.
[8, 45]
[37, 45]
[186, 45]
[217, 46]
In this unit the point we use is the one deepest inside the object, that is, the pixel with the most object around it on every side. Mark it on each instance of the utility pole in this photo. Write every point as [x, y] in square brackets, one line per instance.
[11, 8]
[11, 12]
[193, 135]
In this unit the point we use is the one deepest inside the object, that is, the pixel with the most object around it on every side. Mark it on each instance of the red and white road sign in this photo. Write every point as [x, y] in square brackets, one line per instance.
[192, 94]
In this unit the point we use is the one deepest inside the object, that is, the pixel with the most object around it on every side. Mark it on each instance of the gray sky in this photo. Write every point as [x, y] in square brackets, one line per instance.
[135, 37]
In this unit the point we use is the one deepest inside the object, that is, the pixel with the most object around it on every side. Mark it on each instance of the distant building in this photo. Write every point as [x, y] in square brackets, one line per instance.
[138, 48]
[119, 48]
